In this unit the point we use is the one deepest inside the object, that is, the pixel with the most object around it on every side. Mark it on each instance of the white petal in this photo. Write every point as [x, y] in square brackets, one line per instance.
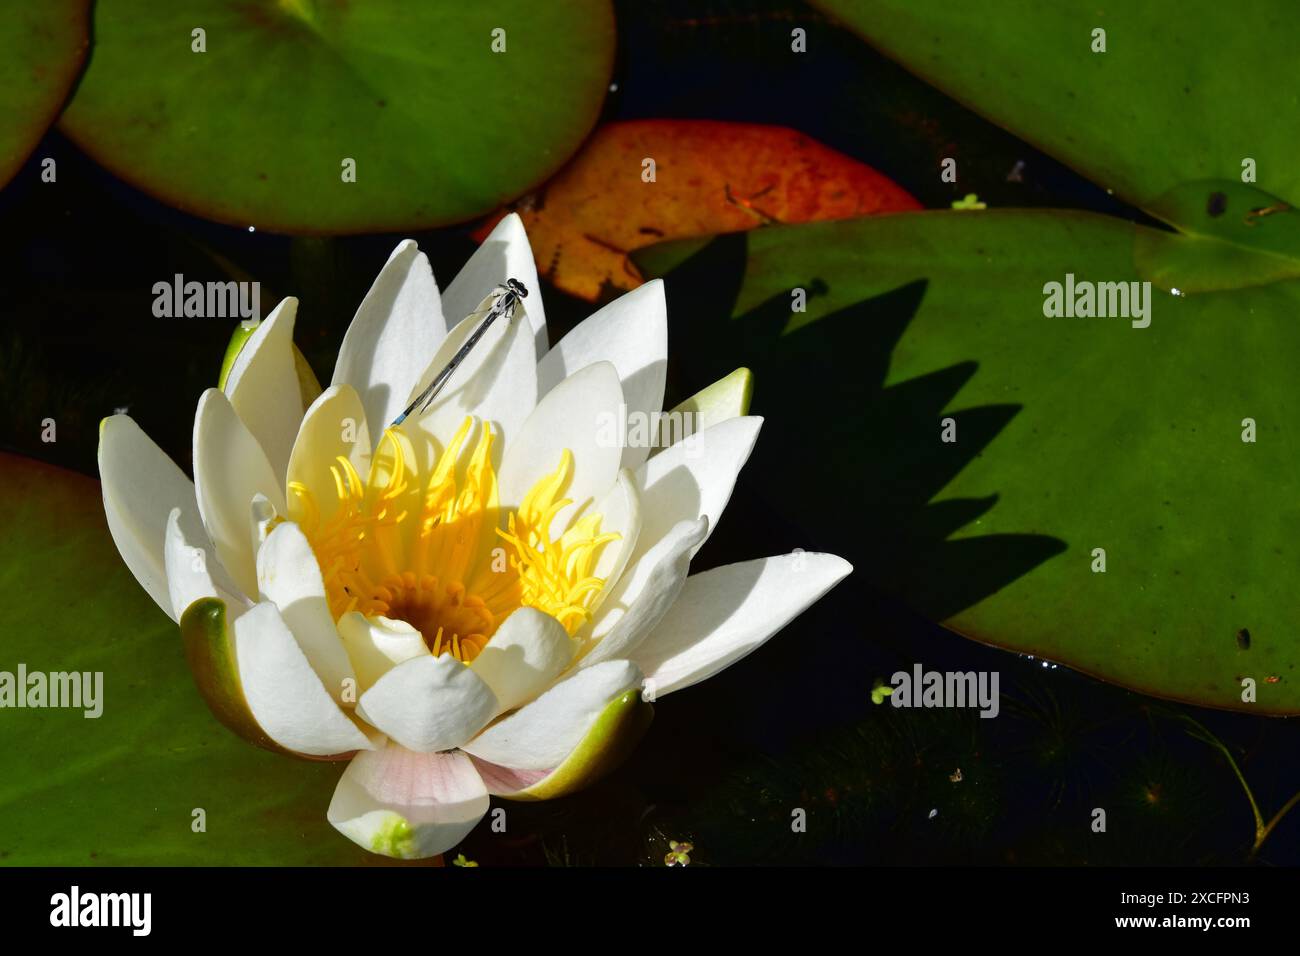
[141, 486]
[496, 382]
[429, 703]
[284, 694]
[334, 427]
[631, 333]
[540, 735]
[576, 415]
[408, 805]
[724, 614]
[504, 254]
[263, 385]
[694, 478]
[529, 650]
[376, 645]
[620, 511]
[229, 469]
[288, 575]
[645, 592]
[194, 571]
[398, 326]
[262, 519]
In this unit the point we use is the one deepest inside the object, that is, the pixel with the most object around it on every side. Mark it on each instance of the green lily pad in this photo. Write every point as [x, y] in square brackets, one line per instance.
[123, 788]
[1072, 434]
[257, 129]
[42, 47]
[1231, 235]
[1162, 106]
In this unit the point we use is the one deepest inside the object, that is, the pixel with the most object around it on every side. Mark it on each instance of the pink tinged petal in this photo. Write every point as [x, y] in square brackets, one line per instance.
[408, 805]
[376, 645]
[398, 326]
[576, 416]
[334, 427]
[504, 254]
[631, 333]
[263, 385]
[540, 735]
[507, 780]
[229, 469]
[194, 572]
[529, 650]
[610, 740]
[286, 698]
[496, 382]
[694, 478]
[606, 744]
[728, 612]
[141, 487]
[645, 592]
[429, 703]
[288, 575]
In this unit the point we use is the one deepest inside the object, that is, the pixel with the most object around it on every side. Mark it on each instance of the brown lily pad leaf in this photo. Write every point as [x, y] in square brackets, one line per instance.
[644, 181]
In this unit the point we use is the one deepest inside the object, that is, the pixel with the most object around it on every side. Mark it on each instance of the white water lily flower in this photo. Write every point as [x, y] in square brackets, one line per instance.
[471, 603]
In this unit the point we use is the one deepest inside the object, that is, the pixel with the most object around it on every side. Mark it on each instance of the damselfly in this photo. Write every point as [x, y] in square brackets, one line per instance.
[507, 301]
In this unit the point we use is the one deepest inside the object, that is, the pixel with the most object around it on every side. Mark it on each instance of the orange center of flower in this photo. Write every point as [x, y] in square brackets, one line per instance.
[437, 551]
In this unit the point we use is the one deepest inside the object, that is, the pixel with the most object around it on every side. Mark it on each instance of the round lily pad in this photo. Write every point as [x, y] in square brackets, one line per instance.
[320, 116]
[42, 48]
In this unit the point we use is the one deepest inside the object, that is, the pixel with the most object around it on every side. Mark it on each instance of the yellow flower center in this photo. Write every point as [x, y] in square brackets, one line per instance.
[439, 553]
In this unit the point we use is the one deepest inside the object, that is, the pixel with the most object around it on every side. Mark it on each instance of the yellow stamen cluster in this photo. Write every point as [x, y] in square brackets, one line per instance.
[432, 554]
[556, 577]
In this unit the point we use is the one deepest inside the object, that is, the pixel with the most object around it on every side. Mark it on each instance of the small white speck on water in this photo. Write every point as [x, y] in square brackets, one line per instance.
[252, 229]
[934, 813]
